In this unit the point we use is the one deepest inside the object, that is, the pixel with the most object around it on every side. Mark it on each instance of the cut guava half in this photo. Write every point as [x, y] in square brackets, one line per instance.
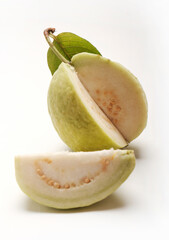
[69, 180]
[115, 90]
[79, 121]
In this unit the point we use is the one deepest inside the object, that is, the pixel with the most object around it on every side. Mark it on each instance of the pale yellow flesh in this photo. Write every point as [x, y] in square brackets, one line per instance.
[116, 91]
[69, 180]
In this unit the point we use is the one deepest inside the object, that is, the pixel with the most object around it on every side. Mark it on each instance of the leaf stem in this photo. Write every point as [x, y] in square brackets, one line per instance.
[48, 33]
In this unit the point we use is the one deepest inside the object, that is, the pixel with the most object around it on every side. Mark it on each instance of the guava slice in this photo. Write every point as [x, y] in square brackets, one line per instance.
[80, 123]
[70, 180]
[116, 91]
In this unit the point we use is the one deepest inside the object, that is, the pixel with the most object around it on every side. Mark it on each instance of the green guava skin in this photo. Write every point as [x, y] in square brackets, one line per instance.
[71, 119]
[120, 167]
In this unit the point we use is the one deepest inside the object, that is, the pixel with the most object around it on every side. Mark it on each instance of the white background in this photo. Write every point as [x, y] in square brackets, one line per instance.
[134, 33]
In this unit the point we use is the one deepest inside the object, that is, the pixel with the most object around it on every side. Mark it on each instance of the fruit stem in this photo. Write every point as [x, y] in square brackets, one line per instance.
[49, 33]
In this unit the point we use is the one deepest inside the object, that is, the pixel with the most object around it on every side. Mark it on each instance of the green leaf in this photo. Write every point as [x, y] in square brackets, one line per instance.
[68, 44]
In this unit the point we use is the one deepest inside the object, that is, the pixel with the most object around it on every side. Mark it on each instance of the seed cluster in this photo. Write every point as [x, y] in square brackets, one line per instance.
[110, 104]
[55, 184]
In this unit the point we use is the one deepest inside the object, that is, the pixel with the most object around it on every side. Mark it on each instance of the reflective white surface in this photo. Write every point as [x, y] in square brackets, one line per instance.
[134, 33]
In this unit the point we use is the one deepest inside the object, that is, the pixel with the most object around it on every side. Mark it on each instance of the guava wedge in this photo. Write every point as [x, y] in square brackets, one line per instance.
[69, 180]
[116, 91]
[79, 121]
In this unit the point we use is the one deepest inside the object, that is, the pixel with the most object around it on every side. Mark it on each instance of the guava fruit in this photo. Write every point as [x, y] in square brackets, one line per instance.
[115, 90]
[69, 180]
[77, 118]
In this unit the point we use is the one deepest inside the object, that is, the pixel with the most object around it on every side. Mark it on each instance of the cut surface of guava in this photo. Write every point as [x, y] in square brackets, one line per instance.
[116, 91]
[69, 180]
[79, 121]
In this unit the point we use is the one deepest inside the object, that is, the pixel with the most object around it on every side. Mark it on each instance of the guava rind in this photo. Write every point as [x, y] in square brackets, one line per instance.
[121, 164]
